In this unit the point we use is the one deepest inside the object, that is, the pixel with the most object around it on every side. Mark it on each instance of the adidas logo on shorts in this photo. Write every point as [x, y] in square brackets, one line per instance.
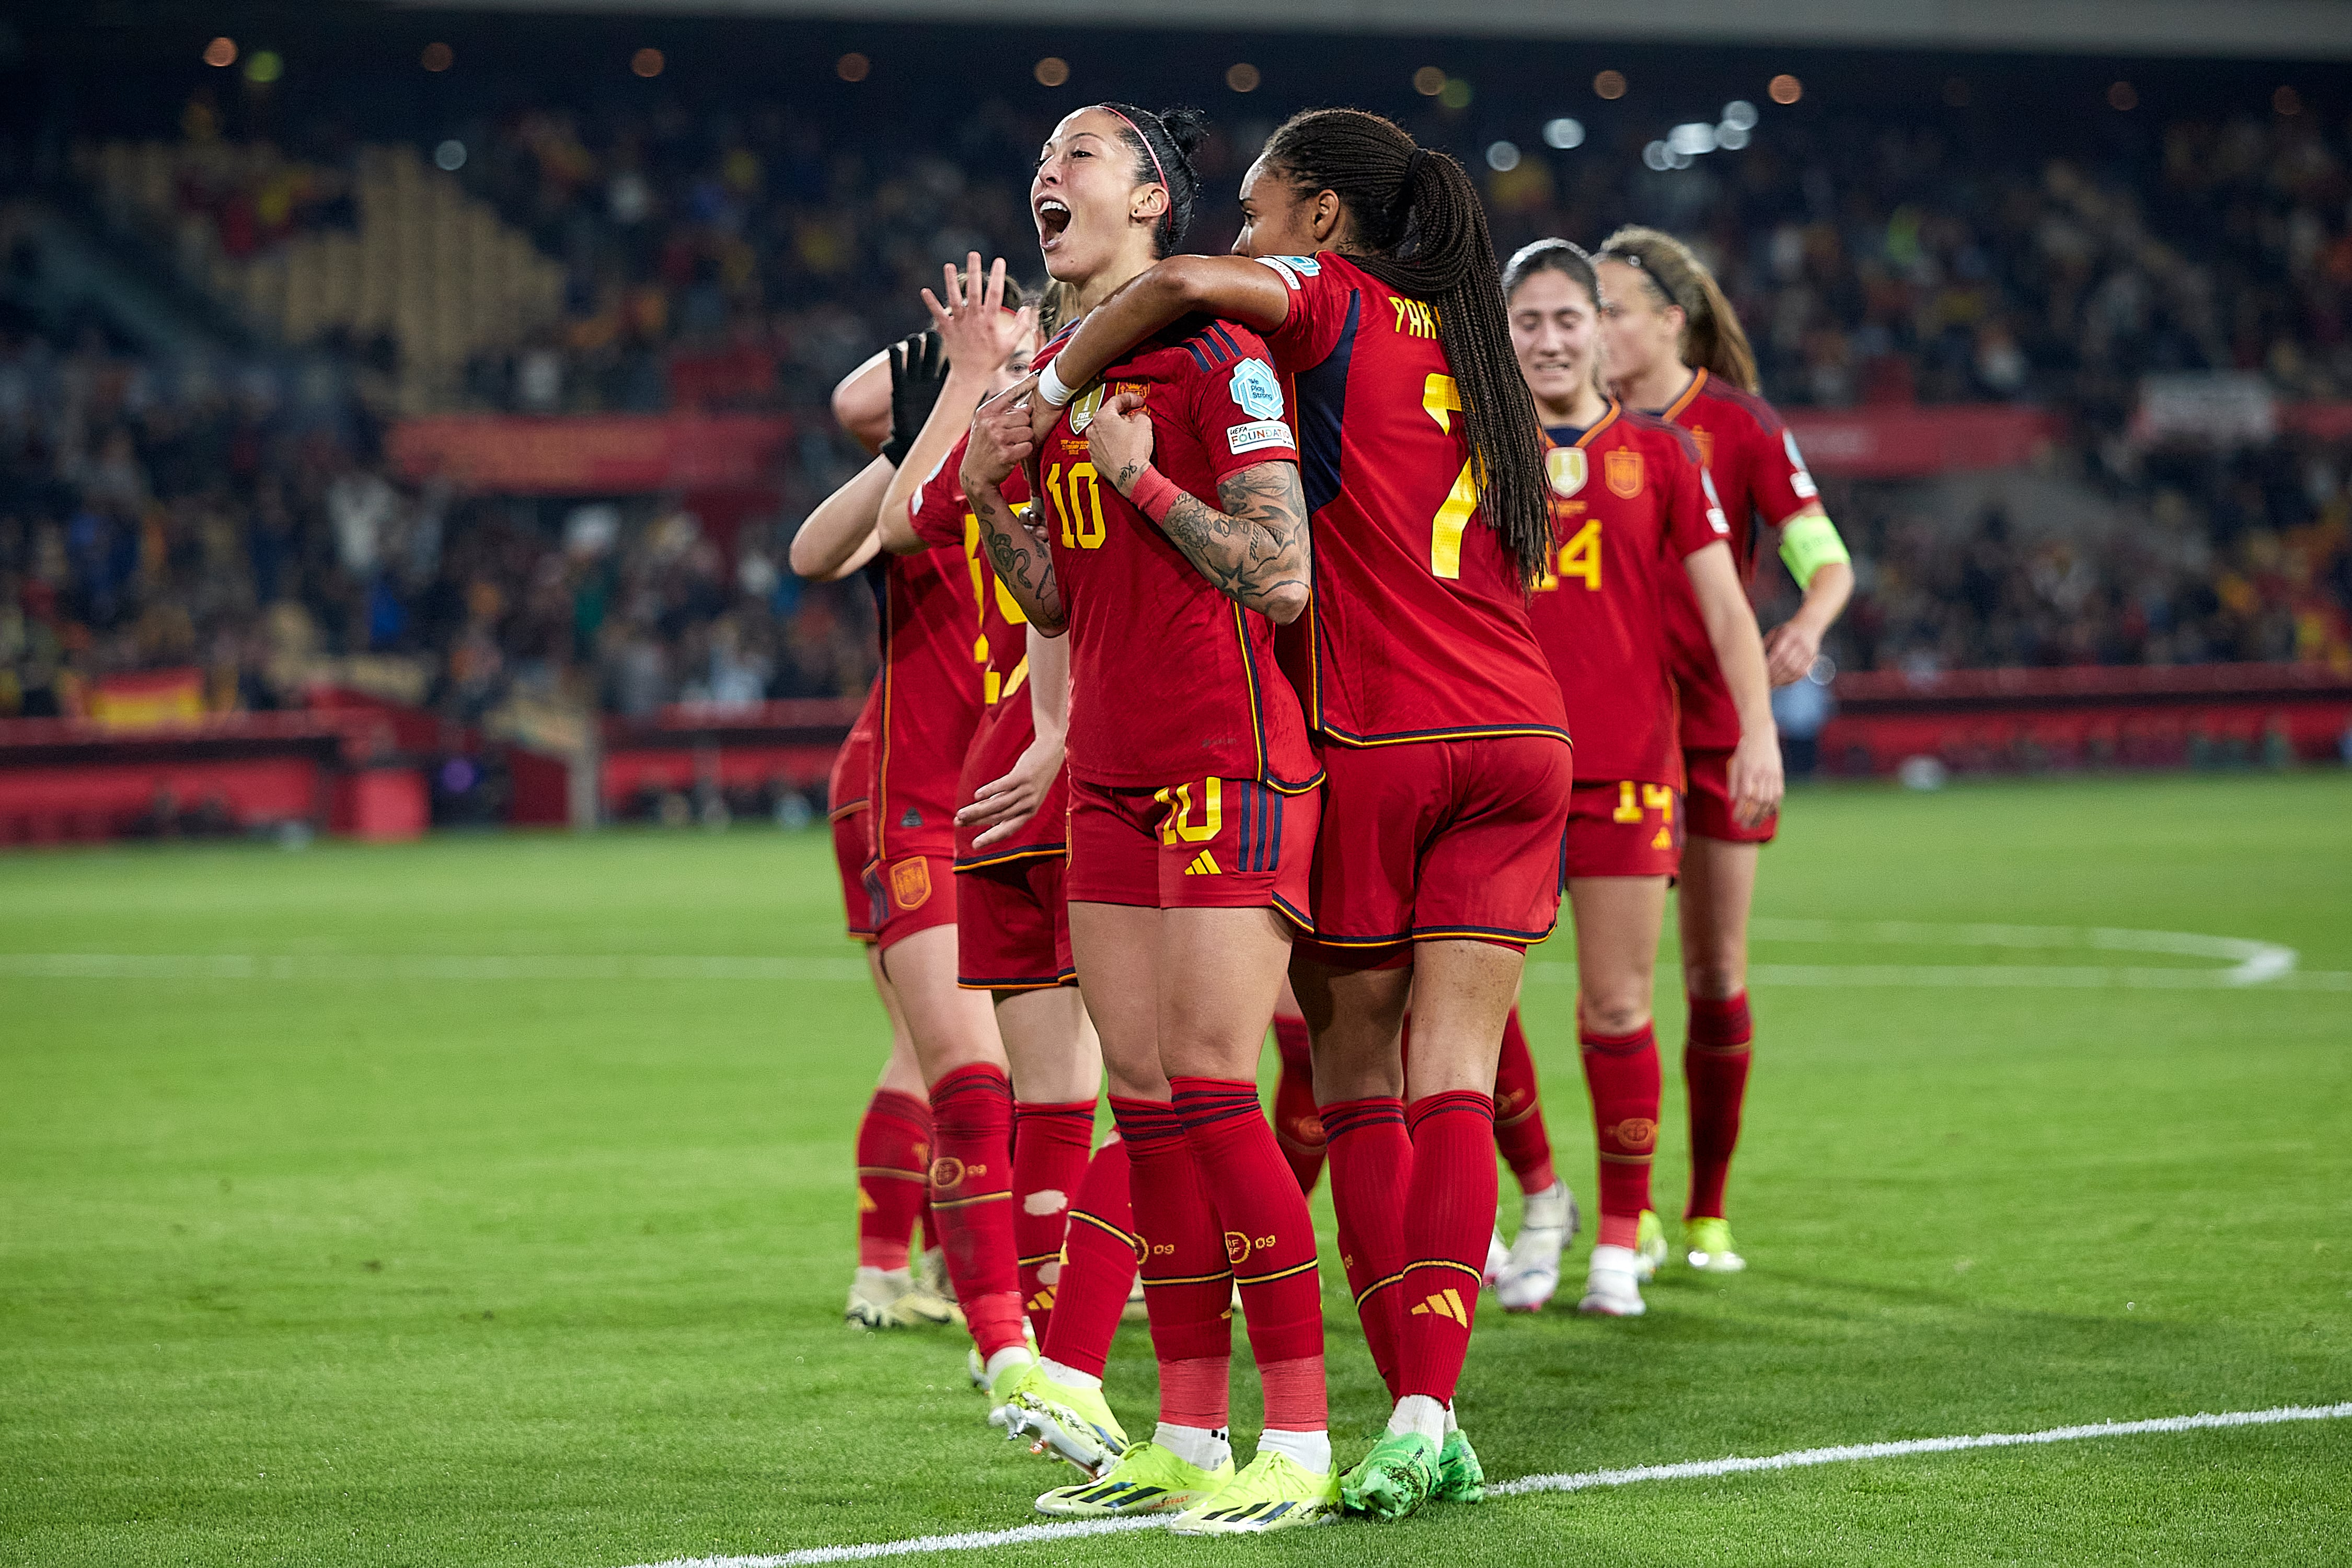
[1204, 865]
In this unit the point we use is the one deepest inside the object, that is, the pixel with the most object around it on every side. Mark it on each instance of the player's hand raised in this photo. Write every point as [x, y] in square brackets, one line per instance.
[1119, 440]
[980, 333]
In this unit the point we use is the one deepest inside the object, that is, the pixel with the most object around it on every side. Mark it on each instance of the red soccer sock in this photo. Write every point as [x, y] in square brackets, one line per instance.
[1050, 1146]
[1097, 1265]
[1269, 1239]
[894, 1163]
[1519, 1130]
[1449, 1214]
[1371, 1165]
[1715, 1070]
[1297, 1126]
[971, 1198]
[1621, 1071]
[1187, 1285]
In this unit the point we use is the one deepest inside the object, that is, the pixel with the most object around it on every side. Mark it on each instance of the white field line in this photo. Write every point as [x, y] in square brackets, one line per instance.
[1703, 1470]
[418, 966]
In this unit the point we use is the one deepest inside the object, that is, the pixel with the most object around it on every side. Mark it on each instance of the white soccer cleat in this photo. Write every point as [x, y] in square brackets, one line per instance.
[1612, 1284]
[874, 1298]
[1530, 1274]
[1498, 1258]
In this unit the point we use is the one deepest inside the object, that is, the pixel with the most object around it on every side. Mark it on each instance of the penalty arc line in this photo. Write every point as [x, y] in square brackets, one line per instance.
[1586, 1481]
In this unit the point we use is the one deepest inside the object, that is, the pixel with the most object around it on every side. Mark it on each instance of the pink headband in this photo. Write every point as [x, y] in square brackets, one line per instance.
[1156, 168]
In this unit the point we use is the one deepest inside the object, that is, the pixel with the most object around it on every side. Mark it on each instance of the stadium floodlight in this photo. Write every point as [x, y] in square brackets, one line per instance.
[1692, 140]
[1502, 156]
[1563, 133]
[221, 53]
[1242, 77]
[1429, 81]
[1730, 138]
[1657, 156]
[1741, 113]
[1678, 160]
[450, 155]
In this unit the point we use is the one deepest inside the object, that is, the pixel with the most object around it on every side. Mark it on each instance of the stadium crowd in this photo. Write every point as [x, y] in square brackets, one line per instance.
[748, 255]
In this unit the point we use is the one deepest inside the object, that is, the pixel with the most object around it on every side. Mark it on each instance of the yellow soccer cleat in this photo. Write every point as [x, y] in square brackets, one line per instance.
[1068, 1423]
[1706, 1246]
[1148, 1478]
[1649, 1244]
[1277, 1492]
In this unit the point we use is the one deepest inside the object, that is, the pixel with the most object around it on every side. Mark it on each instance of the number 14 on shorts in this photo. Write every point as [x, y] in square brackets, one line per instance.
[1652, 797]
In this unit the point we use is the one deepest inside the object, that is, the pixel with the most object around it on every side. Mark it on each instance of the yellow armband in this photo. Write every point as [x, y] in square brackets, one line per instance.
[1809, 543]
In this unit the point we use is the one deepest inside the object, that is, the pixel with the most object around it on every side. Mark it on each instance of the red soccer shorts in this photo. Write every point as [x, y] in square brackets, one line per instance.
[912, 893]
[1206, 844]
[1625, 829]
[850, 853]
[1012, 926]
[1433, 839]
[1708, 807]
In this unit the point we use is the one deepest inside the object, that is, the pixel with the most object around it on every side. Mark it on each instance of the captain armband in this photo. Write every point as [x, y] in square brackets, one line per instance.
[1810, 543]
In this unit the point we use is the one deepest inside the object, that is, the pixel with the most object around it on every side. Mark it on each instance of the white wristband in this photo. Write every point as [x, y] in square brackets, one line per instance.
[1051, 388]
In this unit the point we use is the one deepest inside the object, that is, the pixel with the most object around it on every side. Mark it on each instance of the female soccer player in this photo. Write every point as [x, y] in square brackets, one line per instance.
[1373, 279]
[929, 706]
[1171, 539]
[1676, 348]
[1632, 512]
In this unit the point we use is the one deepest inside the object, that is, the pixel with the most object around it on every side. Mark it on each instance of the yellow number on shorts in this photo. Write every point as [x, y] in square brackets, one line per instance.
[1660, 799]
[1580, 556]
[1087, 532]
[1178, 821]
[1440, 397]
[1627, 810]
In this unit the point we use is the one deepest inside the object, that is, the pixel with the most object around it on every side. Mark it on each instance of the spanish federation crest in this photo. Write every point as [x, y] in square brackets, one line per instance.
[1256, 389]
[1624, 472]
[1566, 468]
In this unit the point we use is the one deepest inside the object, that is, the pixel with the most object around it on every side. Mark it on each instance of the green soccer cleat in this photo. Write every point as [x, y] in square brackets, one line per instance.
[1073, 1424]
[1649, 1245]
[1148, 1478]
[1277, 1492]
[1393, 1480]
[1460, 1477]
[1706, 1245]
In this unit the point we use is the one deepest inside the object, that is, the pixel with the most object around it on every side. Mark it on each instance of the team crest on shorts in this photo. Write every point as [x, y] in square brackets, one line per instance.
[1566, 467]
[910, 882]
[1624, 472]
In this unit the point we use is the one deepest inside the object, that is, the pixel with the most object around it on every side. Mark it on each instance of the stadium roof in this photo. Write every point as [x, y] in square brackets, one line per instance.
[2253, 29]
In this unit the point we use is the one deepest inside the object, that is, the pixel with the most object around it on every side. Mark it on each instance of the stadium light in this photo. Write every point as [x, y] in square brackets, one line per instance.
[1691, 140]
[1429, 81]
[1242, 77]
[853, 67]
[1657, 157]
[1741, 113]
[1502, 156]
[1731, 138]
[264, 67]
[1563, 133]
[1785, 89]
[221, 53]
[1610, 85]
[647, 63]
[437, 57]
[450, 155]
[1052, 71]
[2121, 95]
[1455, 93]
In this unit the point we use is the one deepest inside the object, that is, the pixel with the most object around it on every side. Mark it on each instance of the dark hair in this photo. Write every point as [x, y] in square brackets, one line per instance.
[1163, 144]
[1419, 228]
[1560, 256]
[1712, 336]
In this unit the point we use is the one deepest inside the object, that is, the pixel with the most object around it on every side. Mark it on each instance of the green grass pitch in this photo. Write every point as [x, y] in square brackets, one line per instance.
[378, 1264]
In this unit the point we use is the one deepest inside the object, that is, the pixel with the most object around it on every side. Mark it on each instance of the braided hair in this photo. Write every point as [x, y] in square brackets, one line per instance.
[1712, 335]
[1419, 228]
[1163, 144]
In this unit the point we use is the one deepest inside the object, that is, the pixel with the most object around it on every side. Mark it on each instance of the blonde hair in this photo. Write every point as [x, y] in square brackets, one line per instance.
[1712, 339]
[1056, 308]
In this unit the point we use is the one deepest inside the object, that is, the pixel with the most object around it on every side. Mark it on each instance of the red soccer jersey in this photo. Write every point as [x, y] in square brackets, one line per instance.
[941, 516]
[1629, 503]
[930, 699]
[1170, 679]
[1418, 629]
[1760, 477]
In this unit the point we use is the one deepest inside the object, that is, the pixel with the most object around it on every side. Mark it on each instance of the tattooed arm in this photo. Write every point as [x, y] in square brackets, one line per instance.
[1254, 551]
[1016, 546]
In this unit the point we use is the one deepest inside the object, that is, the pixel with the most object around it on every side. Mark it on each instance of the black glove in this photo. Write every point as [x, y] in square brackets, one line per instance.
[918, 368]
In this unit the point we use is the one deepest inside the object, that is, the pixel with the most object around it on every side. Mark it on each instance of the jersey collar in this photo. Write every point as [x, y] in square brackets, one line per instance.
[1682, 399]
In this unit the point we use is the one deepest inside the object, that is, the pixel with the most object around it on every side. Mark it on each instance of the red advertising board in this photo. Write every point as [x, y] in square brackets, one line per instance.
[592, 454]
[1911, 442]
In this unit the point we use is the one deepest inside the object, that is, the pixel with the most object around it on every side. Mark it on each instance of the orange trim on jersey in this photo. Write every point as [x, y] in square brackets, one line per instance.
[1012, 857]
[1257, 729]
[851, 809]
[1698, 380]
[1413, 737]
[1616, 410]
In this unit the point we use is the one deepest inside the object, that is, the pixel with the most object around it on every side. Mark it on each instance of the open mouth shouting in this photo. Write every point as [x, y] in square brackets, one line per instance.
[1053, 216]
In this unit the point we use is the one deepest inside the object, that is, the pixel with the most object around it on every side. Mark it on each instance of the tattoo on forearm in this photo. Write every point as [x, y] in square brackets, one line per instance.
[1254, 551]
[1023, 565]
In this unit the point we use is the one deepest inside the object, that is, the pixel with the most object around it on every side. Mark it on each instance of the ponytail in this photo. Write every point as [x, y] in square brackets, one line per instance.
[1712, 339]
[1419, 227]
